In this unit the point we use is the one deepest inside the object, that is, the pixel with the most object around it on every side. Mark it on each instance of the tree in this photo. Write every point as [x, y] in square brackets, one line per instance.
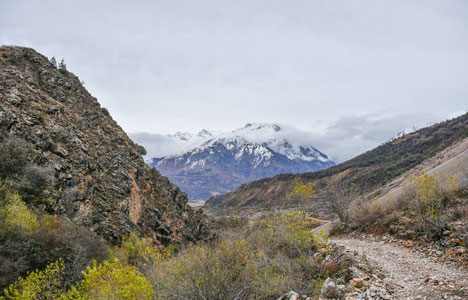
[338, 196]
[141, 149]
[62, 66]
[301, 193]
[53, 61]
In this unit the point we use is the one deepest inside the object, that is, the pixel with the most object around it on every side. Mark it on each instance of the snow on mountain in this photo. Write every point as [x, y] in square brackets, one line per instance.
[217, 162]
[404, 132]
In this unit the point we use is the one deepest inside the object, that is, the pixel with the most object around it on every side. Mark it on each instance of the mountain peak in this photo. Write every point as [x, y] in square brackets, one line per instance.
[216, 162]
[260, 126]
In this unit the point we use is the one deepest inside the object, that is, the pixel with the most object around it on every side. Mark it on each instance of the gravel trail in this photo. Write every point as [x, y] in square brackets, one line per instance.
[410, 274]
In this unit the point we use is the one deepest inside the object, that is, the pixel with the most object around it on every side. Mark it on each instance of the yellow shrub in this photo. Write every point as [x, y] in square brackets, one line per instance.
[207, 272]
[429, 194]
[112, 279]
[47, 284]
[294, 230]
[301, 190]
[431, 198]
[16, 215]
[301, 193]
[141, 252]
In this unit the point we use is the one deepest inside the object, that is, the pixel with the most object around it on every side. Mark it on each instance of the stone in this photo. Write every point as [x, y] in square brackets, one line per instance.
[357, 283]
[61, 151]
[409, 244]
[291, 295]
[330, 290]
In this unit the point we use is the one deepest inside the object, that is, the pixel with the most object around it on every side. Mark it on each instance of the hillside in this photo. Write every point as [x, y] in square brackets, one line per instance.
[219, 162]
[368, 171]
[98, 176]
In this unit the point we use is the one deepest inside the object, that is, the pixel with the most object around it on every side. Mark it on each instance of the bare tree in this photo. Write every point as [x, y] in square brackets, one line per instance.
[339, 196]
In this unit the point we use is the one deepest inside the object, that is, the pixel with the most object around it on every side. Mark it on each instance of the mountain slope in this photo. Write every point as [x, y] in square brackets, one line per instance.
[367, 171]
[220, 162]
[99, 177]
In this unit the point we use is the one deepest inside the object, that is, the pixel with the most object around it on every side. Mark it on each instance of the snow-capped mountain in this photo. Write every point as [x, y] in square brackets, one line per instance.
[218, 162]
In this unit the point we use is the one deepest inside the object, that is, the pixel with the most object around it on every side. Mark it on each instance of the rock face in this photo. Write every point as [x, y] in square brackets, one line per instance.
[100, 178]
[219, 162]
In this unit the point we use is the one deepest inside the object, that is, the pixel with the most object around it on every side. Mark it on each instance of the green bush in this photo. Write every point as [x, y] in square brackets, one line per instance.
[29, 242]
[31, 182]
[13, 158]
[267, 259]
[47, 284]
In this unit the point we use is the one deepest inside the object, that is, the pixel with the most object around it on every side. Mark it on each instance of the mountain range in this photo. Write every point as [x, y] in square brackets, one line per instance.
[372, 171]
[218, 162]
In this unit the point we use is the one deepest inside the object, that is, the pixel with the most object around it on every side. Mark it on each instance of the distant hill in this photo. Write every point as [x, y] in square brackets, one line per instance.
[219, 162]
[368, 171]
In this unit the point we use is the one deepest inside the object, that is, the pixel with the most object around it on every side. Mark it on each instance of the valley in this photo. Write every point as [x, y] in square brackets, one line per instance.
[82, 216]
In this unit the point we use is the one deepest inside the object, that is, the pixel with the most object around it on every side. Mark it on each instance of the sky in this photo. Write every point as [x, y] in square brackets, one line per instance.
[353, 73]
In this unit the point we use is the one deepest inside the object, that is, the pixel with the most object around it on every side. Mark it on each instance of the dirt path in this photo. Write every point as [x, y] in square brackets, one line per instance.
[412, 275]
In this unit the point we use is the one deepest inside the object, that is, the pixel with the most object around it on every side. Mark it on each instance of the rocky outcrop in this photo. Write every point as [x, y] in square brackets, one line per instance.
[100, 179]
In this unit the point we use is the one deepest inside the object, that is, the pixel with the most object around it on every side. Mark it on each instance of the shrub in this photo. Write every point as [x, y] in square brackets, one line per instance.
[111, 279]
[225, 271]
[270, 256]
[47, 284]
[28, 242]
[30, 182]
[15, 215]
[290, 233]
[301, 193]
[33, 185]
[430, 198]
[141, 149]
[229, 223]
[141, 252]
[13, 158]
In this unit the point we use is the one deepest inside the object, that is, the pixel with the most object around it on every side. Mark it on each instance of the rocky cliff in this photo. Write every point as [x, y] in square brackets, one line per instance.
[99, 177]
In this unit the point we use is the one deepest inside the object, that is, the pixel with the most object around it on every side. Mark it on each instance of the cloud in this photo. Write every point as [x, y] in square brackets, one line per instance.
[341, 139]
[166, 66]
[350, 136]
[157, 145]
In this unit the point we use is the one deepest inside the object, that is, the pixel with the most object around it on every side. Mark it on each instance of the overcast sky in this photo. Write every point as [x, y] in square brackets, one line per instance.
[355, 71]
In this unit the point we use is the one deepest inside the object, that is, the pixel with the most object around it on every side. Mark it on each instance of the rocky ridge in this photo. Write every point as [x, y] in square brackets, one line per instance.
[99, 177]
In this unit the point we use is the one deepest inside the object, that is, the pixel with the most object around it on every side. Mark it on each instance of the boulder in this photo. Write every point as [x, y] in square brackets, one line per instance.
[291, 295]
[332, 291]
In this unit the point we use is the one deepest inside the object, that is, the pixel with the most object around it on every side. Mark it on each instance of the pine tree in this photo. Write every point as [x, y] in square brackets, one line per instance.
[62, 66]
[53, 61]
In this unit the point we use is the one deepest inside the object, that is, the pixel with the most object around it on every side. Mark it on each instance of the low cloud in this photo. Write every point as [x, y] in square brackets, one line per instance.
[350, 136]
[157, 145]
[341, 139]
